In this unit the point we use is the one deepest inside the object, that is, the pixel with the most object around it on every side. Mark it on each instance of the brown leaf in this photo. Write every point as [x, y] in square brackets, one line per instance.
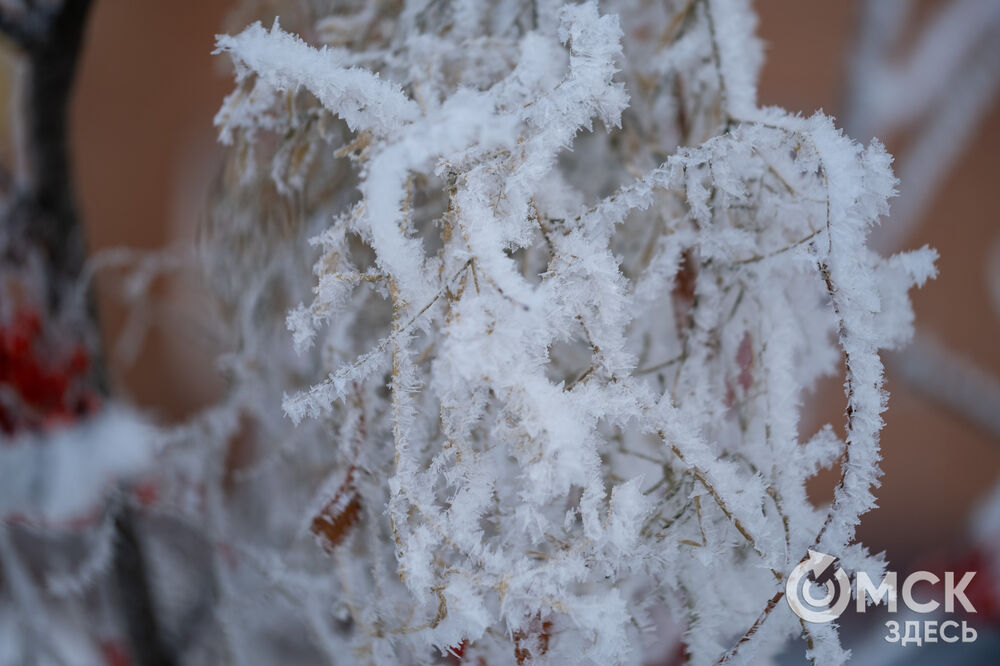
[683, 292]
[331, 524]
[532, 642]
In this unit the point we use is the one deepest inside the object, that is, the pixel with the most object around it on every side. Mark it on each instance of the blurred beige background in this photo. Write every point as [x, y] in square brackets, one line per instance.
[145, 153]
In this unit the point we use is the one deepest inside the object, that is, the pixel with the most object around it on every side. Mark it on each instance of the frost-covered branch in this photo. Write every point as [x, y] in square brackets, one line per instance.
[556, 287]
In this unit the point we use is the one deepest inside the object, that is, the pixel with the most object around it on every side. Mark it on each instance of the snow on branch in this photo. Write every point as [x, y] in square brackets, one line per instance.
[282, 61]
[561, 289]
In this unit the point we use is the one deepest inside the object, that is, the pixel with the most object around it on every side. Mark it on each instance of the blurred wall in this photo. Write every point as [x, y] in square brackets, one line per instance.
[145, 152]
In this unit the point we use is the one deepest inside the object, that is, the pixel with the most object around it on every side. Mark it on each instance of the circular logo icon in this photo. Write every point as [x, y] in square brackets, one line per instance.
[835, 589]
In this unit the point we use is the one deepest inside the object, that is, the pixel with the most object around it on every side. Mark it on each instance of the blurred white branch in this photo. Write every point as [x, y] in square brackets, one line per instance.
[939, 90]
[952, 380]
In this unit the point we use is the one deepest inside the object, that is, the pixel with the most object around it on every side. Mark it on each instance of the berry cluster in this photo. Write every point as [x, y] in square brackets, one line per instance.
[43, 383]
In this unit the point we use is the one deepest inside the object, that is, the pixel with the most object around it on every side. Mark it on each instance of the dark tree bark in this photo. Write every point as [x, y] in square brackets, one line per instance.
[42, 220]
[149, 648]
